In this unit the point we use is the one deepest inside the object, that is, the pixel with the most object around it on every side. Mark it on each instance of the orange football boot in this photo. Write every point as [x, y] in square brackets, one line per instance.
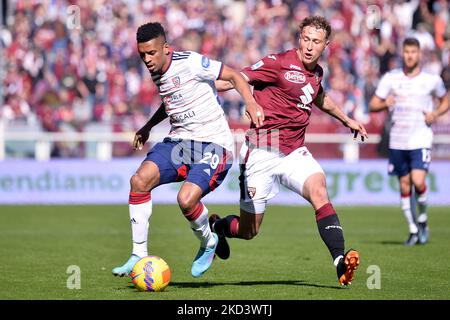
[347, 266]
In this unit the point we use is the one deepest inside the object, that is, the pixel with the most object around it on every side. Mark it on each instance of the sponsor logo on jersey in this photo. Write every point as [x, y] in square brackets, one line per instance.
[251, 192]
[272, 57]
[176, 97]
[205, 62]
[295, 77]
[257, 65]
[293, 66]
[176, 82]
[172, 98]
[182, 117]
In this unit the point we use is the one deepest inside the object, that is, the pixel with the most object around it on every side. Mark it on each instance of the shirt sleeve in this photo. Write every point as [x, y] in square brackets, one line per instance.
[204, 68]
[265, 70]
[384, 87]
[439, 88]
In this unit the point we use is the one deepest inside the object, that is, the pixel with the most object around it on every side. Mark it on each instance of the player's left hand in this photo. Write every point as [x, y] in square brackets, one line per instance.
[357, 128]
[255, 113]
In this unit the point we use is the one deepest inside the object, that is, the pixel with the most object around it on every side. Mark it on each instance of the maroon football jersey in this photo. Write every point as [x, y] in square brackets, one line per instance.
[285, 89]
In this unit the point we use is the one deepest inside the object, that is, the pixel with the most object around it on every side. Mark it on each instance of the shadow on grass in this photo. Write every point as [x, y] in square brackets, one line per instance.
[396, 243]
[250, 283]
[386, 242]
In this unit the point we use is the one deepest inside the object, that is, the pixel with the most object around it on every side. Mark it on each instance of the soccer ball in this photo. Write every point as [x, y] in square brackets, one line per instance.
[151, 273]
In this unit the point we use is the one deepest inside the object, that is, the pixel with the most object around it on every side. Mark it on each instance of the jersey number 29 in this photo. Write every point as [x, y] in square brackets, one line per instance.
[212, 159]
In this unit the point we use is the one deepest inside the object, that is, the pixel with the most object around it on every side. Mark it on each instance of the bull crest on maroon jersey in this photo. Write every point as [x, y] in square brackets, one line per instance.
[251, 192]
[176, 82]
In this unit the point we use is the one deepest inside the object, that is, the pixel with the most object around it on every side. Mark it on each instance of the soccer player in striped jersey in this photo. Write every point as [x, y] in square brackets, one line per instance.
[408, 94]
[198, 148]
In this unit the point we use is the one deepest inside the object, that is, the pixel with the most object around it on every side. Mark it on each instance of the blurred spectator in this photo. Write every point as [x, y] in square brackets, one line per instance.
[433, 64]
[446, 74]
[425, 38]
[16, 109]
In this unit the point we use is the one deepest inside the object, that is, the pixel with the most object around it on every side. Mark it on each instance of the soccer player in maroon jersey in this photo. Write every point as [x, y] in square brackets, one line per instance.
[287, 85]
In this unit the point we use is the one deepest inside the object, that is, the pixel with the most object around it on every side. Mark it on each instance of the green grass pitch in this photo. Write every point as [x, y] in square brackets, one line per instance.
[286, 261]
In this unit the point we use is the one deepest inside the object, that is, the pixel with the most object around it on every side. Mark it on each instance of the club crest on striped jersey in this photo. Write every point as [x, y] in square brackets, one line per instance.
[176, 81]
[295, 77]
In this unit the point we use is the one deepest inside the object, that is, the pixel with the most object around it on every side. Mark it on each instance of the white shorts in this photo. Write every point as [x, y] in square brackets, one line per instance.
[262, 172]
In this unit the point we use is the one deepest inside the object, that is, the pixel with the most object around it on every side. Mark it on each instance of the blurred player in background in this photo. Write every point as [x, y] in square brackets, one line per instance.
[198, 149]
[408, 94]
[287, 85]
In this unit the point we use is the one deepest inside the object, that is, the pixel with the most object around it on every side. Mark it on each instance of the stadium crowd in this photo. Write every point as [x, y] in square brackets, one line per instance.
[89, 77]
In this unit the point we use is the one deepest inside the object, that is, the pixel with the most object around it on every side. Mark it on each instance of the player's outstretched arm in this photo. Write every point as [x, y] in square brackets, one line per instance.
[143, 134]
[326, 104]
[235, 79]
[442, 108]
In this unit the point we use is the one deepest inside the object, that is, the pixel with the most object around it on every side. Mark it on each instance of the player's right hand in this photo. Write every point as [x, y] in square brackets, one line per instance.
[140, 138]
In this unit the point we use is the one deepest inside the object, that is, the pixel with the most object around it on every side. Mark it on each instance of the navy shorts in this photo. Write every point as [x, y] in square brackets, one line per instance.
[205, 164]
[401, 162]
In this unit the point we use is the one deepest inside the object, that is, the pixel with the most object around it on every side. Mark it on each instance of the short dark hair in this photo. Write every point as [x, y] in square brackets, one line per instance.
[318, 22]
[411, 42]
[149, 31]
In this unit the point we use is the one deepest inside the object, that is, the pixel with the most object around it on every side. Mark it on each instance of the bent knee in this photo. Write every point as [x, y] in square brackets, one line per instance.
[315, 190]
[141, 183]
[186, 201]
[319, 195]
[145, 178]
[420, 187]
[137, 183]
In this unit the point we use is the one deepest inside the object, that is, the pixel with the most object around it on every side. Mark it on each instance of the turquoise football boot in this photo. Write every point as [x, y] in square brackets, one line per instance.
[204, 259]
[127, 267]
